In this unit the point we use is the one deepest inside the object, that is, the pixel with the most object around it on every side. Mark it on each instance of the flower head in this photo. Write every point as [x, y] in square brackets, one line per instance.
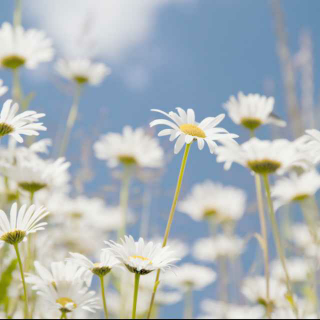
[132, 147]
[210, 200]
[21, 47]
[140, 257]
[22, 222]
[191, 276]
[102, 268]
[261, 156]
[183, 126]
[63, 288]
[26, 123]
[83, 71]
[295, 188]
[252, 111]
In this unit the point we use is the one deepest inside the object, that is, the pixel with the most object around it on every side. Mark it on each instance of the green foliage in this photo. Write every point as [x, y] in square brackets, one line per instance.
[5, 281]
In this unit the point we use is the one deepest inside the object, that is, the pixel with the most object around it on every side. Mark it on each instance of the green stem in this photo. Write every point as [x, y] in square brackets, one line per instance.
[103, 295]
[277, 238]
[124, 199]
[170, 220]
[17, 16]
[135, 297]
[71, 119]
[264, 234]
[223, 265]
[26, 311]
[188, 314]
[63, 315]
[16, 87]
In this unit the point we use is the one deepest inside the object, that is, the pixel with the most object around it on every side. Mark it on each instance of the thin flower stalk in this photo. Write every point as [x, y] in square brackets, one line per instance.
[171, 216]
[103, 295]
[135, 296]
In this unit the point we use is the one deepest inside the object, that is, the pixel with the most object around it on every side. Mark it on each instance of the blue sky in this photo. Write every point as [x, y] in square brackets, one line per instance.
[195, 54]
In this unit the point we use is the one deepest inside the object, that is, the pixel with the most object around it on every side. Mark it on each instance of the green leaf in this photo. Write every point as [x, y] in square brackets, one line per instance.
[6, 279]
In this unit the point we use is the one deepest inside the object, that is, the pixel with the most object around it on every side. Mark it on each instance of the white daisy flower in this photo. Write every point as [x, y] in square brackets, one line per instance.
[183, 126]
[21, 223]
[262, 156]
[220, 246]
[102, 268]
[83, 71]
[140, 257]
[21, 47]
[213, 200]
[40, 174]
[252, 111]
[298, 268]
[295, 188]
[190, 277]
[132, 147]
[66, 292]
[3, 89]
[254, 289]
[26, 123]
[310, 144]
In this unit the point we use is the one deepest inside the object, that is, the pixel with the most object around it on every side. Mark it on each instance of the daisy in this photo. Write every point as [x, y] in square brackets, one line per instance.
[67, 292]
[100, 269]
[3, 89]
[221, 246]
[252, 111]
[21, 47]
[26, 123]
[298, 268]
[213, 200]
[190, 277]
[22, 223]
[310, 144]
[132, 147]
[40, 174]
[261, 156]
[83, 71]
[295, 188]
[140, 257]
[254, 289]
[184, 127]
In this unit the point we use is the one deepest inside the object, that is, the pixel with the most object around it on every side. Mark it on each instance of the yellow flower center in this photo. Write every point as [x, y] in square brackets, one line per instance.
[32, 186]
[13, 62]
[5, 129]
[208, 213]
[251, 123]
[127, 160]
[13, 237]
[264, 166]
[141, 258]
[64, 302]
[81, 79]
[301, 197]
[192, 130]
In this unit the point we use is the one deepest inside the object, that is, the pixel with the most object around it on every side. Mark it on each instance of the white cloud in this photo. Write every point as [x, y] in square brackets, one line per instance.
[96, 28]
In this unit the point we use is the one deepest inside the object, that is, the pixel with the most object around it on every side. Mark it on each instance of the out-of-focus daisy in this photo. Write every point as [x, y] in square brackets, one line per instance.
[66, 292]
[132, 147]
[102, 268]
[212, 200]
[59, 272]
[140, 257]
[295, 188]
[221, 246]
[299, 269]
[180, 248]
[3, 89]
[254, 289]
[183, 126]
[310, 144]
[261, 156]
[39, 174]
[21, 47]
[252, 111]
[23, 222]
[25, 123]
[190, 277]
[83, 71]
